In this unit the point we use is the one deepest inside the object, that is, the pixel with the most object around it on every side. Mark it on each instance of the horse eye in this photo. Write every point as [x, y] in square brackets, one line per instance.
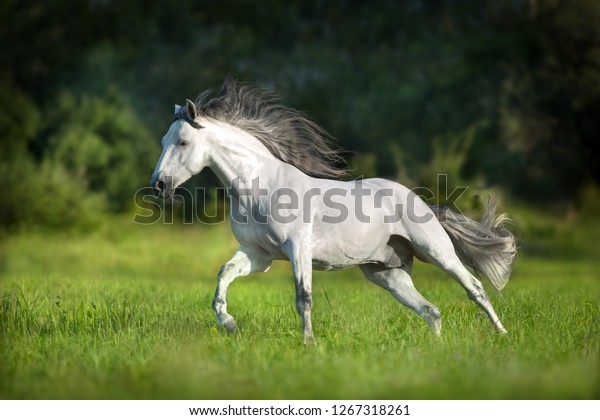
[183, 143]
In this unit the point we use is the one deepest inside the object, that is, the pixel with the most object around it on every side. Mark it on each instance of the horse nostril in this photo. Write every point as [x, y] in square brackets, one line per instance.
[159, 187]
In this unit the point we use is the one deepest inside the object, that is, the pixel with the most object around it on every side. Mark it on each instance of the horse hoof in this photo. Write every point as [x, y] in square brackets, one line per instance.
[436, 327]
[310, 341]
[230, 325]
[500, 328]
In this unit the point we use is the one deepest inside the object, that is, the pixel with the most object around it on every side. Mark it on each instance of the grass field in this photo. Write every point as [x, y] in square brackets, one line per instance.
[124, 312]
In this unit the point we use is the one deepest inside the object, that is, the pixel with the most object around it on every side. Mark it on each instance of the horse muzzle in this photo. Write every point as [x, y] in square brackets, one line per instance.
[163, 188]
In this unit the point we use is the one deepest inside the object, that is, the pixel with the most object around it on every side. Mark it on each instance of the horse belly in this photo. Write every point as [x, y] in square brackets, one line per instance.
[337, 247]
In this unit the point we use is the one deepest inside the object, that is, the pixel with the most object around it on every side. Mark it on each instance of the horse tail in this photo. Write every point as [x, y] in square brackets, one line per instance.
[487, 246]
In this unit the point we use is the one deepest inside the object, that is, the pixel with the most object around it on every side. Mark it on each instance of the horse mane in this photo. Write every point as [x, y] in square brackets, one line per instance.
[287, 133]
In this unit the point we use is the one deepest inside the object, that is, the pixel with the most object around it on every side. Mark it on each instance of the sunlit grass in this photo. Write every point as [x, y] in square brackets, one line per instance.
[125, 313]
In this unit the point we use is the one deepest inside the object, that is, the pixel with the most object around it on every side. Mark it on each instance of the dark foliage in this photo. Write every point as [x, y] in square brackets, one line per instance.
[87, 87]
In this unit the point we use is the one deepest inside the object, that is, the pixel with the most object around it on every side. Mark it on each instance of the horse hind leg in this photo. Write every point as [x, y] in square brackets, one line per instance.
[399, 283]
[475, 291]
[446, 259]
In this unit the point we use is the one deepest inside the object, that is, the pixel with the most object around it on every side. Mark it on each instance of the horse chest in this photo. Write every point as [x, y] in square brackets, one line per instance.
[257, 235]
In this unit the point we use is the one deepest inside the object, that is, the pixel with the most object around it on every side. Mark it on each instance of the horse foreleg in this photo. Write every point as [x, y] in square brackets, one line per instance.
[243, 262]
[301, 260]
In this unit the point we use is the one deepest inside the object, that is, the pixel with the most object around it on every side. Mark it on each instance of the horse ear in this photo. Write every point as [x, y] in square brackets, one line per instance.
[177, 109]
[191, 109]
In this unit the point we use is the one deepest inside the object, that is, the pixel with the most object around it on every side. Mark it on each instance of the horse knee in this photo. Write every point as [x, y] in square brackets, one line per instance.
[223, 271]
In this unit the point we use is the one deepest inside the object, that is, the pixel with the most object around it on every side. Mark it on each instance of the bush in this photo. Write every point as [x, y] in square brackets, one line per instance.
[102, 144]
[45, 195]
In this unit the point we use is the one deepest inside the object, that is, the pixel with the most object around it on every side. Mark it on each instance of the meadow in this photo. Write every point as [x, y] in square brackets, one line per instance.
[125, 311]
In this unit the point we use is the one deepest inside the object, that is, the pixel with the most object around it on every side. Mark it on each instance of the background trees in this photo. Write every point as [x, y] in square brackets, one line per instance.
[505, 93]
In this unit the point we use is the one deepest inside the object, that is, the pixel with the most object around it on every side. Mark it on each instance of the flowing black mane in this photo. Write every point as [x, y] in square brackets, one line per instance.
[288, 134]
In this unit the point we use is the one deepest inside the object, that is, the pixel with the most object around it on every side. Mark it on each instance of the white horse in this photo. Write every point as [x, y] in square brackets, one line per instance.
[274, 161]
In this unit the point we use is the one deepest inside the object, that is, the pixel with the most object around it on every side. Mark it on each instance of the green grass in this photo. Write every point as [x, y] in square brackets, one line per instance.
[124, 312]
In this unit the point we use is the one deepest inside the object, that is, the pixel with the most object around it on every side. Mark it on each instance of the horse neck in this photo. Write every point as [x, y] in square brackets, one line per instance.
[237, 157]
